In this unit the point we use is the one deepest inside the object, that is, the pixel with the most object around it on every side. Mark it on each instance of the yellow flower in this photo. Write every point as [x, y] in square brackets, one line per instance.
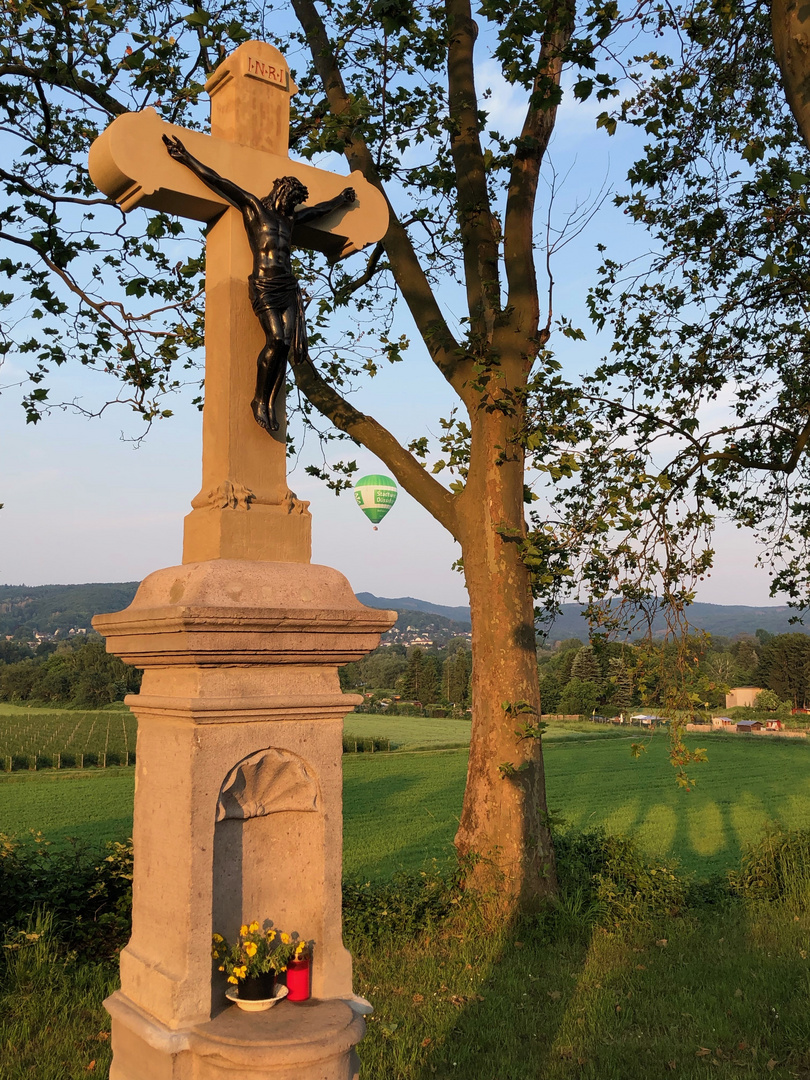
[243, 930]
[299, 948]
[271, 935]
[253, 928]
[221, 967]
[285, 939]
[218, 937]
[232, 979]
[240, 972]
[251, 948]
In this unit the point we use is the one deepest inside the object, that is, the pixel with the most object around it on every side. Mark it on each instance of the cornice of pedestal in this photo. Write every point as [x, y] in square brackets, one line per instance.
[235, 612]
[244, 709]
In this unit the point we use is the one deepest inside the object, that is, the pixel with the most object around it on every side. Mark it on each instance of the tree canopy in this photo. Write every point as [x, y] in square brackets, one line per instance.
[701, 405]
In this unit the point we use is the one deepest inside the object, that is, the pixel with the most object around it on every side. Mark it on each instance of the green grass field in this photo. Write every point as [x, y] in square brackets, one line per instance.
[47, 732]
[408, 732]
[401, 809]
[718, 993]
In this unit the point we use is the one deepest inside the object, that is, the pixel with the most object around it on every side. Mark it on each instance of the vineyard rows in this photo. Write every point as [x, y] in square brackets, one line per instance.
[67, 740]
[95, 739]
[352, 745]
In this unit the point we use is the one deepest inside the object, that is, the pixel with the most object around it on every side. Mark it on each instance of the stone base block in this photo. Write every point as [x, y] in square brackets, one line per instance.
[313, 1040]
[276, 533]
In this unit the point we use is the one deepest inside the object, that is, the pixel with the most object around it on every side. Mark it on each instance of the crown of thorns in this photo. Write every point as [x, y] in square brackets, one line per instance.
[286, 189]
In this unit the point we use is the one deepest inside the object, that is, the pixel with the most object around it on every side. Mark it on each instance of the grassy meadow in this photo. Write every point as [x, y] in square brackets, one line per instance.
[722, 991]
[401, 809]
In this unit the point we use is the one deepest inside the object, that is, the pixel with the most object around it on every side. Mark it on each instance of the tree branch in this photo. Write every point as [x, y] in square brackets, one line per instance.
[59, 75]
[405, 266]
[529, 152]
[786, 467]
[20, 182]
[372, 267]
[416, 480]
[475, 219]
[101, 309]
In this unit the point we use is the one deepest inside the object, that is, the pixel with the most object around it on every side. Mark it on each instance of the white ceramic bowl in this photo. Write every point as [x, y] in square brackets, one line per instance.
[232, 994]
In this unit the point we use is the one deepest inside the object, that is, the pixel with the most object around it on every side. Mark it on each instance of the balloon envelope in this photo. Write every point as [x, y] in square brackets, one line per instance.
[375, 496]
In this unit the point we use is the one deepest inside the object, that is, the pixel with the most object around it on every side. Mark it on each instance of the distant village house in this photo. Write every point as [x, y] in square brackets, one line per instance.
[746, 727]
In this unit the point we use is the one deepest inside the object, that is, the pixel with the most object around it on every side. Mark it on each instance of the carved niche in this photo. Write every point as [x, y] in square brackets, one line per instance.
[268, 782]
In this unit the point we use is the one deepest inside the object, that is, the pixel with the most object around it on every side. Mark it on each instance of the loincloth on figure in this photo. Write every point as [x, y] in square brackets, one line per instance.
[278, 292]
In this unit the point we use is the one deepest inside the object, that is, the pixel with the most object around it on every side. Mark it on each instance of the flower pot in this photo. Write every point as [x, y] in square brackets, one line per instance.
[298, 980]
[257, 987]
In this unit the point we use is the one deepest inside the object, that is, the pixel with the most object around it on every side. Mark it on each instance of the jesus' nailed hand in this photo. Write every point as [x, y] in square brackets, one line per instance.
[274, 291]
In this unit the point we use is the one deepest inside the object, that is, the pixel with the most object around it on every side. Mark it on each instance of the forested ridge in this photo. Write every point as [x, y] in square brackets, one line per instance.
[46, 609]
[25, 610]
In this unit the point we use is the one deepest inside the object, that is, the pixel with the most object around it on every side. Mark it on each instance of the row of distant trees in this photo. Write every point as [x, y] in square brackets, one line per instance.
[611, 677]
[77, 672]
[429, 676]
[574, 678]
[577, 678]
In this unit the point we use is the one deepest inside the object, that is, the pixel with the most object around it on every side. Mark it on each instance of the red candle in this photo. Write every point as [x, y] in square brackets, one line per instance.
[298, 980]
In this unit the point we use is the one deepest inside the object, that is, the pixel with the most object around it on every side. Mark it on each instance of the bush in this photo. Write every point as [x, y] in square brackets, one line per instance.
[767, 699]
[404, 709]
[611, 872]
[87, 892]
[776, 868]
[406, 904]
[633, 888]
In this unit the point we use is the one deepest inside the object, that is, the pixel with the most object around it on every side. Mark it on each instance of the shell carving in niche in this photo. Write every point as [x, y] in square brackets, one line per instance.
[268, 782]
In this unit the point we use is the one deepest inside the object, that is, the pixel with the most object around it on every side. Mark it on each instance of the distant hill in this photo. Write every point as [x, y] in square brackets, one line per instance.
[724, 620]
[409, 603]
[48, 608]
[411, 625]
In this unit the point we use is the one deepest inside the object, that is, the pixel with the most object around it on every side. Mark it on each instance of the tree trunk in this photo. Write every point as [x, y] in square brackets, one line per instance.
[504, 820]
[790, 24]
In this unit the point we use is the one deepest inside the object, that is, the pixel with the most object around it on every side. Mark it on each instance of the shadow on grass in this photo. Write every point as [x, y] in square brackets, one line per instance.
[398, 821]
[724, 994]
[744, 783]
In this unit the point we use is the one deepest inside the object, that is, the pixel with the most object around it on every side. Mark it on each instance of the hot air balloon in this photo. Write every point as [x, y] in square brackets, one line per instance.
[375, 496]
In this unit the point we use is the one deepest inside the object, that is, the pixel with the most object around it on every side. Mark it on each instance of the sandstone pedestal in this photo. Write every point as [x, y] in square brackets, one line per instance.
[238, 813]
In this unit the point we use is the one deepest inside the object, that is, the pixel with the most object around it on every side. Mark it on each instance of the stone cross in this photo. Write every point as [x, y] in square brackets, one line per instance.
[245, 509]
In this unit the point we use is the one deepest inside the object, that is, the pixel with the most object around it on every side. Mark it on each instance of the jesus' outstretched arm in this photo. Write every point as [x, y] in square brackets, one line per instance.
[321, 209]
[226, 188]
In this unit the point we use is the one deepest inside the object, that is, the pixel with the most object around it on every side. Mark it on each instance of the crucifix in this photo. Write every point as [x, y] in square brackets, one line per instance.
[238, 801]
[231, 179]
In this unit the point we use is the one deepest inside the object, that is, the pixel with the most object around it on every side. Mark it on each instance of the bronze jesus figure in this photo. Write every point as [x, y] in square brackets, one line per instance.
[274, 290]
